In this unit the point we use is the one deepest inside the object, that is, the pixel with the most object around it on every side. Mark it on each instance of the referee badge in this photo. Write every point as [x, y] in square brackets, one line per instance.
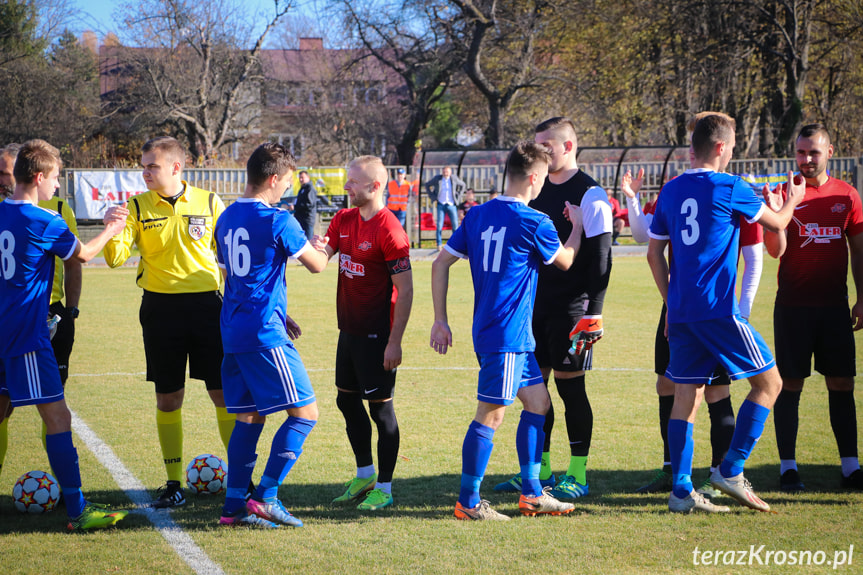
[197, 228]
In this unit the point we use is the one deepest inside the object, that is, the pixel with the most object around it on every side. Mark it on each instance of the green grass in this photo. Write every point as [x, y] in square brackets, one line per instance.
[612, 531]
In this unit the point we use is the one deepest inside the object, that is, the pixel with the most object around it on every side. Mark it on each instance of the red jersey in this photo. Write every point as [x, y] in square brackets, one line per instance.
[369, 253]
[813, 271]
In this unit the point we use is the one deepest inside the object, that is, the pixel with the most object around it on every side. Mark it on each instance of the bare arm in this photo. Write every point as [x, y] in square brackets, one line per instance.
[72, 280]
[404, 283]
[566, 256]
[775, 242]
[113, 226]
[658, 265]
[315, 259]
[778, 221]
[856, 245]
[119, 248]
[441, 335]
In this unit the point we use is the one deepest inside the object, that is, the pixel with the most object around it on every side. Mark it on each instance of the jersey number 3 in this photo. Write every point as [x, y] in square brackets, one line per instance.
[238, 253]
[489, 237]
[690, 233]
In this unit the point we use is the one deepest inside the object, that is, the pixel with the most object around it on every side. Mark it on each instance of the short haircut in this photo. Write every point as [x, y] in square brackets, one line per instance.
[694, 120]
[166, 145]
[10, 150]
[372, 166]
[810, 130]
[269, 160]
[34, 157]
[556, 124]
[525, 157]
[302, 172]
[709, 131]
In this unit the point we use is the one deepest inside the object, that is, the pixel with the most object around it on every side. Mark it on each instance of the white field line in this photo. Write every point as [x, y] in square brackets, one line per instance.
[185, 547]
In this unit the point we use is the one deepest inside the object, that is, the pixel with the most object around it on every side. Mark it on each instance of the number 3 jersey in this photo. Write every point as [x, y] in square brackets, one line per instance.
[699, 213]
[253, 244]
[504, 241]
[30, 237]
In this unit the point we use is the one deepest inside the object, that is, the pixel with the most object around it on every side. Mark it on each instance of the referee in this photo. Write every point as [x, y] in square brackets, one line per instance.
[172, 225]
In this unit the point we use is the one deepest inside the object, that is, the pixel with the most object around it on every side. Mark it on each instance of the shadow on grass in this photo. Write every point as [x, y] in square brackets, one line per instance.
[433, 497]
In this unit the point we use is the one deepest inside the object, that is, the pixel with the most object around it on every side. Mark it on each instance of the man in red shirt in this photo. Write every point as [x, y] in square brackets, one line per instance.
[811, 316]
[373, 302]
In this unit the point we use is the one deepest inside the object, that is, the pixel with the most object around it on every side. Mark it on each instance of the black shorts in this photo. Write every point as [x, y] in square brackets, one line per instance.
[825, 332]
[177, 327]
[64, 339]
[551, 331]
[360, 366]
[662, 354]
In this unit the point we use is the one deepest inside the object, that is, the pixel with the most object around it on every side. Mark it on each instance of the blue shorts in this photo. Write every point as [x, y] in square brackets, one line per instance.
[501, 375]
[31, 378]
[266, 381]
[698, 348]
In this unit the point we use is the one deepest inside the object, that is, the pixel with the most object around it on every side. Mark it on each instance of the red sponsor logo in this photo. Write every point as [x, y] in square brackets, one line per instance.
[349, 267]
[113, 196]
[818, 234]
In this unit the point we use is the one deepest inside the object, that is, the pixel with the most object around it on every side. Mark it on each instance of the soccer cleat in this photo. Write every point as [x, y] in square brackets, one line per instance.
[738, 488]
[94, 517]
[243, 517]
[790, 481]
[660, 483]
[482, 512]
[376, 499]
[707, 490]
[513, 484]
[356, 488]
[693, 502]
[853, 481]
[568, 488]
[274, 512]
[169, 495]
[543, 504]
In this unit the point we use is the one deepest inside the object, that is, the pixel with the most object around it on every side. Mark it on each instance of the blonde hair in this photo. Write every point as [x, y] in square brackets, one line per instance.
[372, 166]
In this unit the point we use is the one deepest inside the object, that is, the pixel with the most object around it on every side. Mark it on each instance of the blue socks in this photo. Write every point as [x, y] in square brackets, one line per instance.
[529, 441]
[286, 449]
[681, 447]
[750, 426]
[242, 457]
[64, 461]
[475, 453]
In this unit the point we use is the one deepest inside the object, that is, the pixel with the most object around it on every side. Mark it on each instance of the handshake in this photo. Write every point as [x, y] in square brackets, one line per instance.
[586, 332]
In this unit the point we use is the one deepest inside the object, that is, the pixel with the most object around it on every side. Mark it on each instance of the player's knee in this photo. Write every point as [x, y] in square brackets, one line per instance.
[840, 383]
[383, 413]
[348, 402]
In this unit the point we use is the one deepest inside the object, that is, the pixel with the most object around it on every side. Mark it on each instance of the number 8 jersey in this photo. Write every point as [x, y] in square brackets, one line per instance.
[505, 241]
[699, 213]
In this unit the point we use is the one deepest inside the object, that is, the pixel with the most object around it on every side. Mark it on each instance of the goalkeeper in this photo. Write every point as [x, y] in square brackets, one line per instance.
[569, 303]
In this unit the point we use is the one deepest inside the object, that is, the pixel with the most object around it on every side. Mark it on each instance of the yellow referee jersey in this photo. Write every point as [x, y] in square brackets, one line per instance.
[57, 205]
[178, 250]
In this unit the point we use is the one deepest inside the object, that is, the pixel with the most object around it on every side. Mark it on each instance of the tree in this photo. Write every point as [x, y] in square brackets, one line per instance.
[18, 38]
[193, 72]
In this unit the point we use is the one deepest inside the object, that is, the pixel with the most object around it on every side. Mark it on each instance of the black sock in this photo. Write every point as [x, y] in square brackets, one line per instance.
[666, 402]
[579, 416]
[384, 416]
[785, 422]
[357, 425]
[721, 428]
[843, 420]
[549, 423]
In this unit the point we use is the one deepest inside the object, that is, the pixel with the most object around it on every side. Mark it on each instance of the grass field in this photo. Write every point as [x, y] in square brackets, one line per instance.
[611, 531]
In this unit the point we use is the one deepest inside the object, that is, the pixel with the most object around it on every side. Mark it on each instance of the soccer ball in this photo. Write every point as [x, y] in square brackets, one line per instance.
[207, 474]
[36, 492]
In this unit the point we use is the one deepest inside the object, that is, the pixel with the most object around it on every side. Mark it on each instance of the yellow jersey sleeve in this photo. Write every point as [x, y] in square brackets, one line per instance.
[68, 215]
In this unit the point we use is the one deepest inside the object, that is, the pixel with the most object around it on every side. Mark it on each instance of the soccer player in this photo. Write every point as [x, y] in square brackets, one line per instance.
[697, 215]
[262, 373]
[172, 225]
[717, 394]
[811, 316]
[568, 309]
[375, 292]
[30, 238]
[505, 242]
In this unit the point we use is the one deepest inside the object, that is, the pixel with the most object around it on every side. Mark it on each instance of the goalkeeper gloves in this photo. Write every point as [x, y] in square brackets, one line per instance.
[586, 332]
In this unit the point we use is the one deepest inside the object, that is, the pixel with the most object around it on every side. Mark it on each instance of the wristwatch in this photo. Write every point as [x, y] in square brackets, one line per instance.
[73, 312]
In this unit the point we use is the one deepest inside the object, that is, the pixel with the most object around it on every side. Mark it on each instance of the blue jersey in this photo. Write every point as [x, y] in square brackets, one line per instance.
[30, 237]
[254, 242]
[699, 213]
[505, 241]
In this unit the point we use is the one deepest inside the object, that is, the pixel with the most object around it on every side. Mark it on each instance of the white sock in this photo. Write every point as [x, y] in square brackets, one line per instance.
[786, 464]
[365, 472]
[849, 465]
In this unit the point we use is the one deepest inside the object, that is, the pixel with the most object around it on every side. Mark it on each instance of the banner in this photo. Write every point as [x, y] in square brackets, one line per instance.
[95, 192]
[758, 180]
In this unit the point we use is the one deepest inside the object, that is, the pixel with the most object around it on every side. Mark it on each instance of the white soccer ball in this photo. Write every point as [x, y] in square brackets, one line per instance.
[36, 492]
[207, 474]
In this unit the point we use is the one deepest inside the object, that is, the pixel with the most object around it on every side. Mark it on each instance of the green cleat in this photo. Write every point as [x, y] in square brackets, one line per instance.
[356, 488]
[568, 488]
[376, 499]
[707, 490]
[659, 483]
[95, 518]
